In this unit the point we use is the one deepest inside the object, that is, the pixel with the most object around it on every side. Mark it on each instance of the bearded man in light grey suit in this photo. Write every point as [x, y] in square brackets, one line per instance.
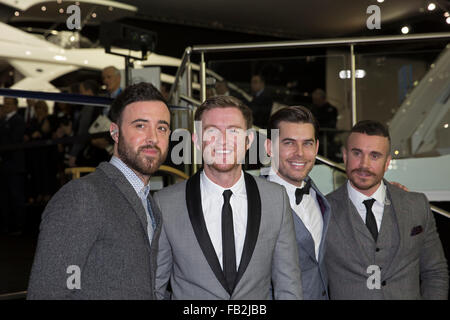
[382, 241]
[226, 234]
[99, 234]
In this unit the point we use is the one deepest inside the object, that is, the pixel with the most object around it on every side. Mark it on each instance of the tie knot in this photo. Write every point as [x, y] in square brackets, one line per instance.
[227, 195]
[369, 203]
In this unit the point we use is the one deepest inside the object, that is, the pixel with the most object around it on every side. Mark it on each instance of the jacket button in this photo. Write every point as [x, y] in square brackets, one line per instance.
[377, 249]
[383, 283]
[324, 293]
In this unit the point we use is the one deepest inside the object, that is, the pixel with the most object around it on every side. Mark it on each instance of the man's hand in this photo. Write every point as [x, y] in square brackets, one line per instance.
[399, 185]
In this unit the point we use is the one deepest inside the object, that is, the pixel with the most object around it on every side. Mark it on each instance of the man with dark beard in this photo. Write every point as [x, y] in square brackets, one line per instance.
[99, 234]
[382, 241]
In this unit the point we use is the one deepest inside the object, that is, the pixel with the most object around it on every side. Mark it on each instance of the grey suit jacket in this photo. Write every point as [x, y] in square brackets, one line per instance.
[408, 250]
[187, 257]
[97, 223]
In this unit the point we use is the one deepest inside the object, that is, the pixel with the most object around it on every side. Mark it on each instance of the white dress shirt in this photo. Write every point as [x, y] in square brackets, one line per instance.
[378, 206]
[212, 202]
[308, 210]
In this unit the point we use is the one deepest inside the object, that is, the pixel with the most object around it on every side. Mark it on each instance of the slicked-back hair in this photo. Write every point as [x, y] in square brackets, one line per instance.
[225, 102]
[142, 91]
[371, 128]
[293, 114]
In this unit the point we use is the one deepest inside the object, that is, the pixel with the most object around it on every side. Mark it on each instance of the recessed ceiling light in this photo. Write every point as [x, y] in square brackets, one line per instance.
[61, 10]
[380, 1]
[431, 6]
[405, 30]
[447, 20]
[17, 13]
[446, 14]
[44, 8]
[94, 15]
[446, 125]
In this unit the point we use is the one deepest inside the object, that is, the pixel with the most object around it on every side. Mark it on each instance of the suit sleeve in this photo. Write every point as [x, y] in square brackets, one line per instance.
[164, 261]
[286, 278]
[433, 265]
[69, 227]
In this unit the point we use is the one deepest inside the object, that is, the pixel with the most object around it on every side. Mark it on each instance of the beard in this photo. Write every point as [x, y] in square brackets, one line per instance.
[143, 164]
[367, 183]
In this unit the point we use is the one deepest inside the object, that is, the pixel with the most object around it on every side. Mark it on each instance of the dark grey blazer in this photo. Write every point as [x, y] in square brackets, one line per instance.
[408, 250]
[97, 223]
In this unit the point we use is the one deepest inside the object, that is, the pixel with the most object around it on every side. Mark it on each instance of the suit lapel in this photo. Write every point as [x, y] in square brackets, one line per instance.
[194, 206]
[325, 209]
[253, 223]
[127, 190]
[345, 216]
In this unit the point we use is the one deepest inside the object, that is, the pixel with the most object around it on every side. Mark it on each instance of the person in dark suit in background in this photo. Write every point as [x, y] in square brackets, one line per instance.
[382, 242]
[12, 170]
[293, 153]
[261, 104]
[99, 234]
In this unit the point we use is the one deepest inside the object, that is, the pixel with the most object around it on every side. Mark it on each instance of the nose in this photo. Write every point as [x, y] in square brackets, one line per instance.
[299, 150]
[152, 136]
[364, 163]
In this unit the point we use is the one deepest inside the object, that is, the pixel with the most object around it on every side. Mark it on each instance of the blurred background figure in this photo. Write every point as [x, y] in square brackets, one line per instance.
[326, 114]
[12, 170]
[262, 102]
[165, 90]
[37, 159]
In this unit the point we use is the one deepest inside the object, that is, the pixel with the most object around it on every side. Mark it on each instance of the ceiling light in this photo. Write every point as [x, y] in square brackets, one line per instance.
[447, 20]
[110, 8]
[446, 125]
[44, 8]
[94, 15]
[17, 13]
[72, 38]
[58, 1]
[446, 14]
[405, 30]
[380, 1]
[60, 58]
[61, 10]
[396, 152]
[431, 6]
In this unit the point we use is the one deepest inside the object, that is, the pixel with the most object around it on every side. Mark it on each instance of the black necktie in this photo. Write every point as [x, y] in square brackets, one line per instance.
[370, 218]
[228, 247]
[299, 192]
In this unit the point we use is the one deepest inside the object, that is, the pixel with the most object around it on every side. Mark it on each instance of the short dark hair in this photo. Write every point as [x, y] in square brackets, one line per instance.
[91, 85]
[371, 128]
[261, 77]
[142, 91]
[225, 102]
[294, 114]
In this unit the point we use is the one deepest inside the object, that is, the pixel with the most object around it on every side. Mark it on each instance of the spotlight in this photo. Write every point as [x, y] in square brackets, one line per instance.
[431, 6]
[380, 1]
[447, 20]
[446, 14]
[94, 15]
[17, 13]
[405, 30]
[44, 8]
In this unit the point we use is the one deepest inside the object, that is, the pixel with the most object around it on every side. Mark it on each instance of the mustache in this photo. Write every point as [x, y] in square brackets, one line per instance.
[149, 146]
[362, 170]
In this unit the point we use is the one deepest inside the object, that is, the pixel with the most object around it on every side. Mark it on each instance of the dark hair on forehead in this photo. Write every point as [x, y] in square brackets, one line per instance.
[371, 128]
[225, 102]
[142, 91]
[294, 114]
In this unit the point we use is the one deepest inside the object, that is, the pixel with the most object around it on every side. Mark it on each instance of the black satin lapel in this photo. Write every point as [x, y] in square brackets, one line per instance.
[194, 206]
[253, 223]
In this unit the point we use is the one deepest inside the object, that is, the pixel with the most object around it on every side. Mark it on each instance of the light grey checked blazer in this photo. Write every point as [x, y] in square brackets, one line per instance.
[188, 260]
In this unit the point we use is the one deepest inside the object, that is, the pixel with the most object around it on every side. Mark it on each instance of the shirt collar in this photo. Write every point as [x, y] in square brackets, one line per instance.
[274, 177]
[238, 188]
[357, 197]
[132, 178]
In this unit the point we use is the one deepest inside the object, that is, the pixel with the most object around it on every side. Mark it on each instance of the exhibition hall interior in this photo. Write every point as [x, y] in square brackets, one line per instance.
[62, 64]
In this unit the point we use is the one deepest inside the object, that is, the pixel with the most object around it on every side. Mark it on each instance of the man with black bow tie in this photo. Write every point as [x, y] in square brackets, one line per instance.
[382, 242]
[226, 234]
[293, 154]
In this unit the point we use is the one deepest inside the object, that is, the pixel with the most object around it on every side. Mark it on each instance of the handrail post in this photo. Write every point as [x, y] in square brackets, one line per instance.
[202, 77]
[353, 79]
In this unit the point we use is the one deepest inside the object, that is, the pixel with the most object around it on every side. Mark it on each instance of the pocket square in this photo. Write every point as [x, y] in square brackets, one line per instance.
[416, 230]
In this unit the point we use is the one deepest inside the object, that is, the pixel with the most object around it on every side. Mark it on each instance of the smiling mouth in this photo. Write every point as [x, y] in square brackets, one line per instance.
[364, 174]
[297, 164]
[223, 151]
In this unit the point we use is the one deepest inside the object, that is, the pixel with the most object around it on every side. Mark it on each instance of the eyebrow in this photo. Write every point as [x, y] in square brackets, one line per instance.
[145, 120]
[229, 127]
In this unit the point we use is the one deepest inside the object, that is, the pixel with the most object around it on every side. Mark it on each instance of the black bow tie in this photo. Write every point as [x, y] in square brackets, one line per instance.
[299, 192]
